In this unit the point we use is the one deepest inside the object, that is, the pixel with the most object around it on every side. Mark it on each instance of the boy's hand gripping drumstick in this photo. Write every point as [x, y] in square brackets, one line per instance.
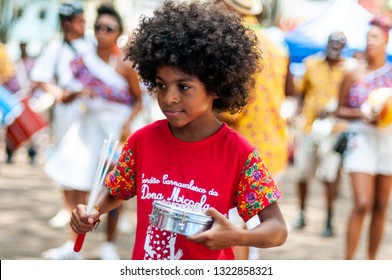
[98, 182]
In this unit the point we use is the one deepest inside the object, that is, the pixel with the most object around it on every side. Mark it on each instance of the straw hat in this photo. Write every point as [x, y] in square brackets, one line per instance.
[246, 7]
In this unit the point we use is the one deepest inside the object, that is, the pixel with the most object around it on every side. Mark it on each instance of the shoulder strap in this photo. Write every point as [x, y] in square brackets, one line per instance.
[58, 56]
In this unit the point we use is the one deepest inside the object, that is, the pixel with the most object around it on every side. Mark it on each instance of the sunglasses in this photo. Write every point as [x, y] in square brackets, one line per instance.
[105, 28]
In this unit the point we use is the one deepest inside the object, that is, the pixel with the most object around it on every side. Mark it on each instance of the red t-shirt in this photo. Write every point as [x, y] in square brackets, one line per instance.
[222, 171]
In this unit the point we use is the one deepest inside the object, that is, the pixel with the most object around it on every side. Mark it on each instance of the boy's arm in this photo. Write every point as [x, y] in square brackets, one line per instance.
[271, 232]
[82, 223]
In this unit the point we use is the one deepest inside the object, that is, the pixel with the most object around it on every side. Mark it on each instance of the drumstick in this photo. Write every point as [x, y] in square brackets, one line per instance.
[104, 151]
[98, 174]
[98, 182]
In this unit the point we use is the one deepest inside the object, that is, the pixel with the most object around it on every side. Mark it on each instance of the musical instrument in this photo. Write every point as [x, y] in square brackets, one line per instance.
[24, 126]
[178, 219]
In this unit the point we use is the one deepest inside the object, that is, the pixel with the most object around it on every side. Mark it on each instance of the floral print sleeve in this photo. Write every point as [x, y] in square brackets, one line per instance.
[120, 182]
[256, 189]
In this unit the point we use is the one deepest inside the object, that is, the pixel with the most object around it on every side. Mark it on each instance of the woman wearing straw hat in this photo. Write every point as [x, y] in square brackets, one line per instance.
[260, 121]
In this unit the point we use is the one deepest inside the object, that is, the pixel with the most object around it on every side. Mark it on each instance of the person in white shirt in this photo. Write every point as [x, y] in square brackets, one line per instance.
[53, 74]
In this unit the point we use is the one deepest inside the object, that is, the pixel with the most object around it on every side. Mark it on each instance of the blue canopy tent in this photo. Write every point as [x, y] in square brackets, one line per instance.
[346, 16]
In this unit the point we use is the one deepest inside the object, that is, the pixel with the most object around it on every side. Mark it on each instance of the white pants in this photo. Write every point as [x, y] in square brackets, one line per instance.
[316, 156]
[369, 150]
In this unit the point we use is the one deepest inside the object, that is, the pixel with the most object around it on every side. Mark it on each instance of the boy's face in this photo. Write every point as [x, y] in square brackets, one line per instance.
[183, 99]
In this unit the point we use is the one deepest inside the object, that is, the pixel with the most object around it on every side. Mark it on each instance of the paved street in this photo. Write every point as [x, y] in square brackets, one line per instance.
[28, 200]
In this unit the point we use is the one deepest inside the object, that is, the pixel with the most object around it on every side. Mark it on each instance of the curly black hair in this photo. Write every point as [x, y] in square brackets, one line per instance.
[202, 39]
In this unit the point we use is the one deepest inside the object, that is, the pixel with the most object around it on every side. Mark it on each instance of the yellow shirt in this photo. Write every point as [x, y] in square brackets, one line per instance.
[260, 121]
[6, 69]
[320, 85]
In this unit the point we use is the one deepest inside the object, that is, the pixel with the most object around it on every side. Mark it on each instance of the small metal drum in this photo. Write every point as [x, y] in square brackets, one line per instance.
[178, 220]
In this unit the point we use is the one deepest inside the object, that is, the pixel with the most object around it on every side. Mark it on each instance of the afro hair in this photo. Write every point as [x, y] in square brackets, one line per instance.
[202, 39]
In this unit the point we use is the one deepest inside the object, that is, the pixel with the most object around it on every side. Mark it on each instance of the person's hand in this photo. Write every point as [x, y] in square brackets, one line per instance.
[293, 121]
[223, 233]
[56, 91]
[85, 93]
[324, 114]
[371, 121]
[81, 222]
[368, 115]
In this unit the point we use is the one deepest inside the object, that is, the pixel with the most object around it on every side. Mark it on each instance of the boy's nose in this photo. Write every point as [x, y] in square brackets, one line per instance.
[171, 96]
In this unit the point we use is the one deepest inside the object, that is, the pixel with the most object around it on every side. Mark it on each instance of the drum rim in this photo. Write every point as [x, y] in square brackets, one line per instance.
[165, 206]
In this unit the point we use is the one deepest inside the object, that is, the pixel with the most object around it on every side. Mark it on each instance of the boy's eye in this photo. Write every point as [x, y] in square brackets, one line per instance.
[160, 85]
[183, 87]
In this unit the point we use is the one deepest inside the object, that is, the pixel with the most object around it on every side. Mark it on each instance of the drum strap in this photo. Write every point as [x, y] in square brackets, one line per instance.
[59, 55]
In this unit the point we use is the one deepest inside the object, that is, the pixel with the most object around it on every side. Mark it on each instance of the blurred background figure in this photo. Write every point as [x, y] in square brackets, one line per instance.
[108, 51]
[314, 151]
[260, 121]
[20, 81]
[111, 99]
[53, 75]
[21, 85]
[6, 68]
[10, 107]
[368, 159]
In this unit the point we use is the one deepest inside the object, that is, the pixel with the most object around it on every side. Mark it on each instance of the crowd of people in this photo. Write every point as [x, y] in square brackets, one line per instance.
[222, 128]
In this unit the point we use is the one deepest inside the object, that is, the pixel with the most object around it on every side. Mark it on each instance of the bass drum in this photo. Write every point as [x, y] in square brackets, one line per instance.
[24, 126]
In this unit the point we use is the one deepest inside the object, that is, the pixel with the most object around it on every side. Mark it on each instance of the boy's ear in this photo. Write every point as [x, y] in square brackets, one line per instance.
[214, 95]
